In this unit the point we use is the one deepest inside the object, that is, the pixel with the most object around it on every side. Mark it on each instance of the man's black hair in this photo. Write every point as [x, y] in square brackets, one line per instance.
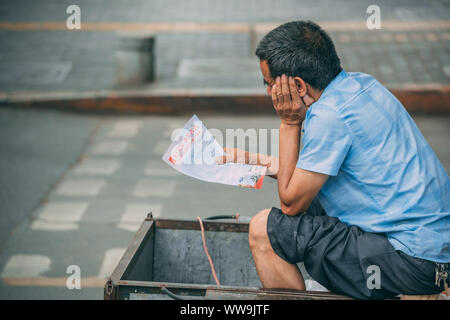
[300, 49]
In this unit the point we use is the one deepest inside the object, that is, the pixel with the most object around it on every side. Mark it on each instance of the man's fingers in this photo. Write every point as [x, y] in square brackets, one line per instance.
[274, 96]
[224, 158]
[234, 155]
[229, 156]
[285, 88]
[278, 91]
[293, 89]
[221, 159]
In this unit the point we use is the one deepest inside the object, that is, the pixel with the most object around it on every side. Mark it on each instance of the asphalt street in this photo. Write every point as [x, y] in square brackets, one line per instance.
[39, 53]
[75, 188]
[36, 149]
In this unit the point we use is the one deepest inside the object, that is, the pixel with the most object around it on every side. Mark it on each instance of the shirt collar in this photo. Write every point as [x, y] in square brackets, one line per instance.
[341, 75]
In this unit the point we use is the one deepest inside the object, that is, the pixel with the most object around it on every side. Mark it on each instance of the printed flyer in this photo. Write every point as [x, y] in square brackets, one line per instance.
[194, 150]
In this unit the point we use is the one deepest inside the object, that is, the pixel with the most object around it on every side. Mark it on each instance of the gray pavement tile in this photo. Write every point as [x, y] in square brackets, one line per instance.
[207, 10]
[393, 57]
[49, 293]
[111, 217]
[91, 54]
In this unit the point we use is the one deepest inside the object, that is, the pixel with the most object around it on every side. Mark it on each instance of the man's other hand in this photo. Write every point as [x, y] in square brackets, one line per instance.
[287, 101]
[235, 155]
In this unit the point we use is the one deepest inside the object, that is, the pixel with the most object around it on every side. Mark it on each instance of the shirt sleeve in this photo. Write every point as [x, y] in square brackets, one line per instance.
[326, 141]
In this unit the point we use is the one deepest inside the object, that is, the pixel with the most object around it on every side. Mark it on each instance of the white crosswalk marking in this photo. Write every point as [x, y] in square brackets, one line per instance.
[26, 266]
[85, 187]
[124, 129]
[154, 188]
[97, 166]
[159, 168]
[135, 213]
[109, 147]
[60, 216]
[110, 261]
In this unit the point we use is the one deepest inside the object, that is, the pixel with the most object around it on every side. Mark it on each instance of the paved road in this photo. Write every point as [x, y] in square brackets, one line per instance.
[36, 149]
[76, 187]
[47, 57]
[219, 11]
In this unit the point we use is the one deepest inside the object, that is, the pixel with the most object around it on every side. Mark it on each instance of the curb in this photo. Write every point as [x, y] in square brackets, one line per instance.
[431, 99]
[423, 99]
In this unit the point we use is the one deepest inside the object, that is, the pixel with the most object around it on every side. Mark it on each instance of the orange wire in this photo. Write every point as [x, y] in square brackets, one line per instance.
[206, 251]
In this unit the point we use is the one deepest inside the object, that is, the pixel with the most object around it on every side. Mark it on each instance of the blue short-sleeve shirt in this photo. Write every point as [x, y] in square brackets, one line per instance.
[383, 175]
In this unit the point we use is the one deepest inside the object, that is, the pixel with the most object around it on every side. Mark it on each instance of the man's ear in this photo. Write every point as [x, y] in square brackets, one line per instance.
[301, 86]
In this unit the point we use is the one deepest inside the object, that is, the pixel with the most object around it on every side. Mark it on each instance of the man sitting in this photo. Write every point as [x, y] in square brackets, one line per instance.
[366, 194]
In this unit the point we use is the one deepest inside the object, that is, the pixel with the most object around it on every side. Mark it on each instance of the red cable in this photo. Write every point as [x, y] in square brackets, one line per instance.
[206, 251]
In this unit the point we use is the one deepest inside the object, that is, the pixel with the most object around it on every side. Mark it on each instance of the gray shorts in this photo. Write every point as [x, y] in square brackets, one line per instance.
[347, 260]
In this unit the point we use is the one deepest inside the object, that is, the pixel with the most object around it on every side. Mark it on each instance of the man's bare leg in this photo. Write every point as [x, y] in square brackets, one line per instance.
[273, 271]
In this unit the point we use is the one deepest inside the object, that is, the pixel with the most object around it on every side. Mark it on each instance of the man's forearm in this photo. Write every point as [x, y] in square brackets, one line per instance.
[288, 156]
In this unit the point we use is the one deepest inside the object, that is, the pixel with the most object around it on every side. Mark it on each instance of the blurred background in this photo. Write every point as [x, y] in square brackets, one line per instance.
[88, 104]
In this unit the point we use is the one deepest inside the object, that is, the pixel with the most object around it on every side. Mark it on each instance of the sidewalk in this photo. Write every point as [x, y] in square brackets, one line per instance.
[106, 170]
[91, 213]
[205, 52]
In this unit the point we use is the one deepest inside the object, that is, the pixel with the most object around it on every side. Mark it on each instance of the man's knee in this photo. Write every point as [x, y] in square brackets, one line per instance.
[257, 236]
